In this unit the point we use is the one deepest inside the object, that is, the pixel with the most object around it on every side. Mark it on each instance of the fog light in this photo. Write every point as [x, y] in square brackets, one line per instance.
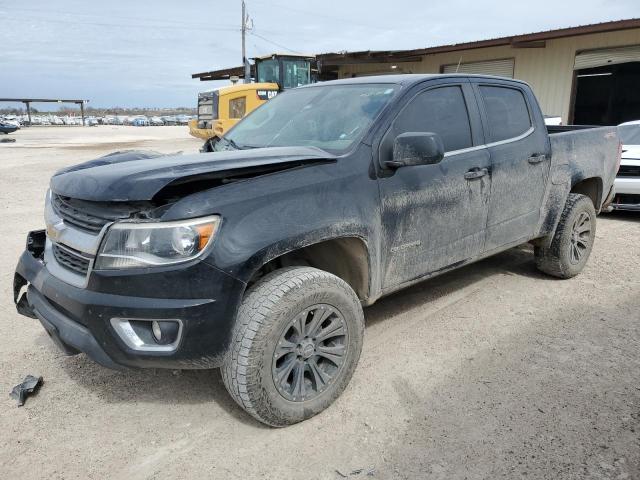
[149, 335]
[165, 332]
[157, 332]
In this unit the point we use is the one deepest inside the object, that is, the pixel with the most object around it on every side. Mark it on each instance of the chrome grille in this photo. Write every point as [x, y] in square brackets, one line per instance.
[71, 260]
[85, 215]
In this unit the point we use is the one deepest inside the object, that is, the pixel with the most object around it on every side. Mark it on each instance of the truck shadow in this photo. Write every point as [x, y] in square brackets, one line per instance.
[622, 216]
[152, 386]
[517, 261]
[191, 387]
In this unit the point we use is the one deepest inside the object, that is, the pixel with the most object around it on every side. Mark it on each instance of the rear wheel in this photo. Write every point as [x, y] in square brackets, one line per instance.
[296, 344]
[573, 239]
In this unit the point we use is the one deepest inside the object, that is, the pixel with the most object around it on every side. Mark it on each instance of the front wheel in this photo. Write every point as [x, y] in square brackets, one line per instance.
[297, 341]
[573, 239]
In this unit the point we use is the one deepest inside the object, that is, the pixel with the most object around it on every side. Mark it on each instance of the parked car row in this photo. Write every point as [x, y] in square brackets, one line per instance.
[136, 120]
[145, 121]
[20, 120]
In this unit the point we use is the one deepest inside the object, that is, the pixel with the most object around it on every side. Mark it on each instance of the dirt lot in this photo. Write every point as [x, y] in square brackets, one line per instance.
[490, 371]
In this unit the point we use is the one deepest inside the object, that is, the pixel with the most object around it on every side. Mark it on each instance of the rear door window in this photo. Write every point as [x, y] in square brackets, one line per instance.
[440, 110]
[507, 112]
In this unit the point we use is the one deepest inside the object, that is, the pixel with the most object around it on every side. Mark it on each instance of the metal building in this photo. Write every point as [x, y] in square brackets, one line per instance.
[588, 74]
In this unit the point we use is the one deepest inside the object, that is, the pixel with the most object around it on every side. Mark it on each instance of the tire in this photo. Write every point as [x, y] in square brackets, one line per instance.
[269, 344]
[572, 242]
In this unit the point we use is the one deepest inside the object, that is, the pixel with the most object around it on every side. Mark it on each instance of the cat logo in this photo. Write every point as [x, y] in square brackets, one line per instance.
[266, 94]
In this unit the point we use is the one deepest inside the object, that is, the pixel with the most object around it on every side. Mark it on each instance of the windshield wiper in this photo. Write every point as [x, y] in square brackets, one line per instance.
[228, 142]
[232, 143]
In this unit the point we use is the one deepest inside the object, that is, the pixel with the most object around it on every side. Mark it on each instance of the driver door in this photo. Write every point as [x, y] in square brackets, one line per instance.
[435, 216]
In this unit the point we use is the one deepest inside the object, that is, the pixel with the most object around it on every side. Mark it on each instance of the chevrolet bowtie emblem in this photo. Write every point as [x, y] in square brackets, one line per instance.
[53, 231]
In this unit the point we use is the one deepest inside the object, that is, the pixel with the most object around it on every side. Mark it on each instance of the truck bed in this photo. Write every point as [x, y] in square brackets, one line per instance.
[580, 152]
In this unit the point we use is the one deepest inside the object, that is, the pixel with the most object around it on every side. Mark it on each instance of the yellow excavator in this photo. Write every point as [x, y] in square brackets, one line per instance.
[221, 108]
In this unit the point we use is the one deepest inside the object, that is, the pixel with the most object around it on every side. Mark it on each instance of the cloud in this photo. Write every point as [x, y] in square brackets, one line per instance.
[143, 54]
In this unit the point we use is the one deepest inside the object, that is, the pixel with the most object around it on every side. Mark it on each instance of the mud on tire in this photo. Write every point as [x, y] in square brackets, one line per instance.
[573, 239]
[301, 315]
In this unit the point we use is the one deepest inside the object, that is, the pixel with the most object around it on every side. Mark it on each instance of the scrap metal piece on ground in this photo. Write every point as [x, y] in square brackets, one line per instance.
[28, 386]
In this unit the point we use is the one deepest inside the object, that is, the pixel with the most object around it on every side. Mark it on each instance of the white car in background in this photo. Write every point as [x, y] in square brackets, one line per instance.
[627, 184]
[552, 120]
[11, 120]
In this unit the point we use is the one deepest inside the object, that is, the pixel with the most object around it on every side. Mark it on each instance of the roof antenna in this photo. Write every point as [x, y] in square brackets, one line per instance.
[459, 62]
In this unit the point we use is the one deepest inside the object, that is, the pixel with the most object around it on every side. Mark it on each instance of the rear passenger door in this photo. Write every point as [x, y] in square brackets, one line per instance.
[519, 161]
[435, 215]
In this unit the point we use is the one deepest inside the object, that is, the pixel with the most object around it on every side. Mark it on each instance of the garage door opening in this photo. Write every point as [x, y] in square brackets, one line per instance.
[607, 95]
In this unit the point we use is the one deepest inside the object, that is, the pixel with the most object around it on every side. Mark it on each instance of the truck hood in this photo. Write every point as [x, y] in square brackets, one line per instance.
[140, 176]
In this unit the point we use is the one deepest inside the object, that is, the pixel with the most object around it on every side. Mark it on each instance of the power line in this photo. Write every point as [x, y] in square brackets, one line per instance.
[168, 26]
[260, 50]
[315, 14]
[57, 13]
[128, 25]
[273, 43]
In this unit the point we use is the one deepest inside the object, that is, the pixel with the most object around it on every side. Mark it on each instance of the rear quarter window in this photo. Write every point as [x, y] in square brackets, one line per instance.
[507, 112]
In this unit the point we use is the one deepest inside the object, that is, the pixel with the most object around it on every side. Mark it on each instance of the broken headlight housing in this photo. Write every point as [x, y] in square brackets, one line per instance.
[148, 244]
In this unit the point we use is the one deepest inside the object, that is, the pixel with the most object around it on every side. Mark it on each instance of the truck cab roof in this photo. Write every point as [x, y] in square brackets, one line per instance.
[408, 79]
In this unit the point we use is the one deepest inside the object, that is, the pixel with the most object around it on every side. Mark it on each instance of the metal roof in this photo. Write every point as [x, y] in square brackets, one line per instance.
[527, 40]
[330, 61]
[292, 55]
[42, 100]
[223, 73]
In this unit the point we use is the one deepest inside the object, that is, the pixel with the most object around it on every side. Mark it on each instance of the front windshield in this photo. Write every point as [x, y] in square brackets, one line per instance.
[330, 117]
[630, 134]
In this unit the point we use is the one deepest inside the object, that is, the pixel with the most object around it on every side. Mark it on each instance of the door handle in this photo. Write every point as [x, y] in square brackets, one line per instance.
[537, 158]
[475, 173]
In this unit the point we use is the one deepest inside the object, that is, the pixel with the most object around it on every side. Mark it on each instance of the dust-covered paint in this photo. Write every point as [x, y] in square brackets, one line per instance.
[410, 223]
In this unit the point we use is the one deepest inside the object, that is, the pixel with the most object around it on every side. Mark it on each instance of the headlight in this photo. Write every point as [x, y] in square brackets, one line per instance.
[144, 244]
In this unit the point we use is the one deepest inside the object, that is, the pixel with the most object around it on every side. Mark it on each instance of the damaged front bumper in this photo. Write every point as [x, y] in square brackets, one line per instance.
[202, 298]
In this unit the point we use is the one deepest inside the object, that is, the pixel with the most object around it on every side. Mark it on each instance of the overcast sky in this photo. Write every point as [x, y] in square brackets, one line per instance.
[142, 53]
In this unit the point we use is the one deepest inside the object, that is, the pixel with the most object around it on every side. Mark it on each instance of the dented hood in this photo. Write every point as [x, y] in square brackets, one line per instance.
[139, 176]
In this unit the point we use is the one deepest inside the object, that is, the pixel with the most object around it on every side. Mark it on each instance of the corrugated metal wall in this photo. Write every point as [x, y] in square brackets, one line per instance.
[548, 70]
[499, 68]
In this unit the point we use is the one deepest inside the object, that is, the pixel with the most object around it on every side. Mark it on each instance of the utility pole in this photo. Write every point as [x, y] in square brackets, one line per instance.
[245, 63]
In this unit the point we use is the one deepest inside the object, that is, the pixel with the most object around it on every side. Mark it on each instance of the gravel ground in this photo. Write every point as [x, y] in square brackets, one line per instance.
[490, 371]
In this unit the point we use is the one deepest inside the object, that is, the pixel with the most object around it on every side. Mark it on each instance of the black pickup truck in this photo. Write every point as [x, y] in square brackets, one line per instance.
[258, 257]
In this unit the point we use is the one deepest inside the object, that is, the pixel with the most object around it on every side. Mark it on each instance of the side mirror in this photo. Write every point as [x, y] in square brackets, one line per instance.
[416, 148]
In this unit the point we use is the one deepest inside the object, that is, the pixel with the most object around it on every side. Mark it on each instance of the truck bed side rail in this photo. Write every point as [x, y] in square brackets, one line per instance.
[569, 128]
